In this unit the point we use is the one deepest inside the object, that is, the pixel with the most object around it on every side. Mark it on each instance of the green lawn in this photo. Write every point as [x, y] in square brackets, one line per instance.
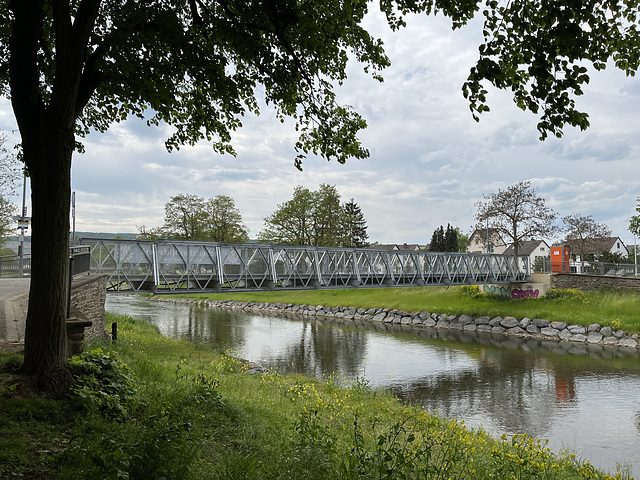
[615, 308]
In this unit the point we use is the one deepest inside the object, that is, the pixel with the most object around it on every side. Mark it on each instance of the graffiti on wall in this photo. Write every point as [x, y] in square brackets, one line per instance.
[513, 292]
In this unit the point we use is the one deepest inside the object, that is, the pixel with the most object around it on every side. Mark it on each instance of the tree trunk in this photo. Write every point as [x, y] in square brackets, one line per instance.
[49, 162]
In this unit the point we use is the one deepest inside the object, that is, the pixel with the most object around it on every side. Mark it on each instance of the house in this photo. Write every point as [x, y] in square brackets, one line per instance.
[405, 246]
[598, 247]
[377, 246]
[478, 241]
[534, 249]
[414, 247]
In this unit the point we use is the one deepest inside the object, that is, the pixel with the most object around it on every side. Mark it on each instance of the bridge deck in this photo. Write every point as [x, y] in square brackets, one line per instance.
[174, 266]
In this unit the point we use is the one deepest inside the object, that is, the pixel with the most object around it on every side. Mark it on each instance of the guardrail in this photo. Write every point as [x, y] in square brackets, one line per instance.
[10, 265]
[79, 257]
[590, 268]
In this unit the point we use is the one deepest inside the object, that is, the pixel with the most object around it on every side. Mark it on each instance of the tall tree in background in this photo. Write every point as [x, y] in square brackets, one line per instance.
[444, 240]
[634, 221]
[150, 233]
[315, 218]
[463, 240]
[223, 222]
[184, 218]
[9, 176]
[7, 209]
[355, 226]
[634, 227]
[70, 67]
[291, 222]
[517, 213]
[450, 239]
[327, 217]
[437, 240]
[190, 217]
[583, 232]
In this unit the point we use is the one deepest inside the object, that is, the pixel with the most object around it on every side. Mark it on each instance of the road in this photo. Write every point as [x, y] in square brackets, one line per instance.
[14, 293]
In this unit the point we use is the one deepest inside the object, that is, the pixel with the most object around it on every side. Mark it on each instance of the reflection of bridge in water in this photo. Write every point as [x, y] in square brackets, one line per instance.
[178, 266]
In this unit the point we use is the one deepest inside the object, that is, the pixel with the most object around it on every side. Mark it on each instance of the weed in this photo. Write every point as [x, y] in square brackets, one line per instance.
[229, 363]
[470, 290]
[207, 390]
[10, 362]
[102, 382]
[566, 294]
[361, 384]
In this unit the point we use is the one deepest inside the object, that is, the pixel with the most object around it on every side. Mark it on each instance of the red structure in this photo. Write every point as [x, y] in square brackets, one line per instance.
[560, 257]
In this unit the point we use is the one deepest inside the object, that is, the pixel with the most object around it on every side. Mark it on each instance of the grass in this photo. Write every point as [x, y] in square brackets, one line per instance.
[608, 307]
[196, 414]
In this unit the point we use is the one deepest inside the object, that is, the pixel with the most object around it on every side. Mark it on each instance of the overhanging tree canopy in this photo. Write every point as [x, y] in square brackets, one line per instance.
[70, 66]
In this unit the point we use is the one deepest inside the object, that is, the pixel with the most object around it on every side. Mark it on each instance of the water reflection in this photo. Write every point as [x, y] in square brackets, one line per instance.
[579, 396]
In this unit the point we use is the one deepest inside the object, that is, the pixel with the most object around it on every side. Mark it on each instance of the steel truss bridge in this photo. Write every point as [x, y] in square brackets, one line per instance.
[166, 266]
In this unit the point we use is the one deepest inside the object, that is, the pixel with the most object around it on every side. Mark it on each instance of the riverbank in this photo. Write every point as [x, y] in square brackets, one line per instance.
[617, 309]
[610, 333]
[180, 410]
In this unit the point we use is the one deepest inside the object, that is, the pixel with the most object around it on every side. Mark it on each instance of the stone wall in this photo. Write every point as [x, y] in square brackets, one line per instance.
[88, 295]
[593, 282]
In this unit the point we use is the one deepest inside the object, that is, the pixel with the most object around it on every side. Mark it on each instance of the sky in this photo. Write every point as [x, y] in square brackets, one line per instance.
[430, 162]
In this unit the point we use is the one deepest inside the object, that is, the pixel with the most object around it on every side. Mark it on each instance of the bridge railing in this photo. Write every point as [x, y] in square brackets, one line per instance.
[165, 265]
[10, 265]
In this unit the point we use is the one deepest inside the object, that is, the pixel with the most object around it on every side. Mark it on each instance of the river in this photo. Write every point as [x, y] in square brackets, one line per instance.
[581, 398]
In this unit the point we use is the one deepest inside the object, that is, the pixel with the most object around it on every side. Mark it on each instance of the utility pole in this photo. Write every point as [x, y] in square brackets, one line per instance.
[73, 215]
[22, 226]
[635, 254]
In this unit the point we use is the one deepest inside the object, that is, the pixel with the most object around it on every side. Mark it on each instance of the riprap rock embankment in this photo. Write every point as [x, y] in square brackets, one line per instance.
[528, 328]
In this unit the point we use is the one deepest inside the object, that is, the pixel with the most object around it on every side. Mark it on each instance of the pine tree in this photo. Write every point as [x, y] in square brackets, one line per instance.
[355, 226]
[437, 240]
[451, 239]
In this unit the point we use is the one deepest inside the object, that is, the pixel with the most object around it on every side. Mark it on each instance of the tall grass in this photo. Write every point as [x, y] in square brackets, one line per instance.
[607, 307]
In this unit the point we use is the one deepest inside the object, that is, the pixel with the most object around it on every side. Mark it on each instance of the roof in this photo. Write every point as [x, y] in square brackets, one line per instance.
[393, 246]
[382, 247]
[597, 245]
[408, 246]
[525, 248]
[482, 233]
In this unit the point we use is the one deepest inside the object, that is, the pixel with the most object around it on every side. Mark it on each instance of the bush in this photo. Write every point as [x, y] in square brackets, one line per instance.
[470, 290]
[10, 362]
[566, 294]
[103, 383]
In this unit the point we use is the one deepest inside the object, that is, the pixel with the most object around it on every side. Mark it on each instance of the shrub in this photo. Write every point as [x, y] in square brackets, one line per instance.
[102, 383]
[566, 294]
[470, 290]
[10, 362]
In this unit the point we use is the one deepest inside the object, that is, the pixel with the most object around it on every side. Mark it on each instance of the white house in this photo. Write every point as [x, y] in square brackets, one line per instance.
[478, 242]
[598, 246]
[534, 249]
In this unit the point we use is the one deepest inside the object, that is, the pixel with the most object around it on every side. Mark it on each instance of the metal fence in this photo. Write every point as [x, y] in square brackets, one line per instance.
[10, 265]
[79, 262]
[589, 268]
